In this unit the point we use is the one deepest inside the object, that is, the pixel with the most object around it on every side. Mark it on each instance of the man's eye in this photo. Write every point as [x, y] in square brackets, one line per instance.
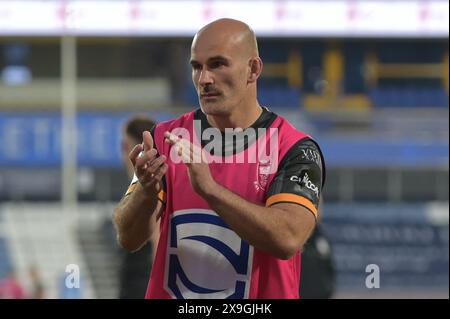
[216, 64]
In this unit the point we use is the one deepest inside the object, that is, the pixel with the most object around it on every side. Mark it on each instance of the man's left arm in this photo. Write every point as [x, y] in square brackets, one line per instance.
[279, 228]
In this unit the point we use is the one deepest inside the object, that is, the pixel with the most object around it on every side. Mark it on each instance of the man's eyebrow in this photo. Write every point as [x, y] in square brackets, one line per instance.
[214, 58]
[218, 57]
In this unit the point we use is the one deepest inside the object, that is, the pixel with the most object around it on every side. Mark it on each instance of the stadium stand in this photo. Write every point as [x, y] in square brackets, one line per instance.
[378, 108]
[38, 235]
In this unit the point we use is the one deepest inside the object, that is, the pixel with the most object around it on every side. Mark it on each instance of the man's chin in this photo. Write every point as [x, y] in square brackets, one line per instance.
[214, 109]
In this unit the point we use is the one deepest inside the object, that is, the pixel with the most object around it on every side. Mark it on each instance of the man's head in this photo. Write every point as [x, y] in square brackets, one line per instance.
[132, 135]
[225, 66]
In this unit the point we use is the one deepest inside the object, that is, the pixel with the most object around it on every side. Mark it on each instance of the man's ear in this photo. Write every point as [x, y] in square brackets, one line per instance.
[256, 67]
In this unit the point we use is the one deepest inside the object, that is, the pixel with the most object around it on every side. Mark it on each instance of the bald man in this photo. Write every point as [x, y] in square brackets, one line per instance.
[235, 186]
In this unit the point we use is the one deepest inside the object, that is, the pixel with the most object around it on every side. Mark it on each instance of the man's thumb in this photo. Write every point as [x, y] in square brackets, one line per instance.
[147, 140]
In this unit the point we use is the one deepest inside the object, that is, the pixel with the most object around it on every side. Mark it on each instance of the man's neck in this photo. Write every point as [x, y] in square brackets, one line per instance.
[238, 119]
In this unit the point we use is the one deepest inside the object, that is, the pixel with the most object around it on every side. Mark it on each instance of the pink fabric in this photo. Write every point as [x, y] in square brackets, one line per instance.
[11, 289]
[267, 276]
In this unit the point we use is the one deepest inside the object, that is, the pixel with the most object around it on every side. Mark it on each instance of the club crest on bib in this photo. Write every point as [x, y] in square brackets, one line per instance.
[263, 173]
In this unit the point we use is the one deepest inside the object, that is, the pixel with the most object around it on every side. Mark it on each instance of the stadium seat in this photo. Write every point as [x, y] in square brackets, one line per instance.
[409, 97]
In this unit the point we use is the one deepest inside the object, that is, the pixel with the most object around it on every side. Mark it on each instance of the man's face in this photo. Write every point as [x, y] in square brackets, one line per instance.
[127, 144]
[219, 74]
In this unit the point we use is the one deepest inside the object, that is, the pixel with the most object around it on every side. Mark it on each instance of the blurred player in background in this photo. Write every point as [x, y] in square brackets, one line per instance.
[37, 286]
[317, 278]
[318, 275]
[135, 269]
[132, 135]
[228, 230]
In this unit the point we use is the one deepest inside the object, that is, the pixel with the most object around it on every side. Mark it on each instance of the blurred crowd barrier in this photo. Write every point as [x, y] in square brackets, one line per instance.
[407, 242]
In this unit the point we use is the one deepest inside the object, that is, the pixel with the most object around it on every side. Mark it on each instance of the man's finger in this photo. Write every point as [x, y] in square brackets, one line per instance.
[183, 151]
[161, 171]
[140, 170]
[147, 140]
[135, 153]
[153, 167]
[151, 178]
[148, 156]
[191, 152]
[170, 138]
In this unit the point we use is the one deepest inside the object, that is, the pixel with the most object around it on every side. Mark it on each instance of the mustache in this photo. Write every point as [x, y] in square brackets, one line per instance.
[209, 90]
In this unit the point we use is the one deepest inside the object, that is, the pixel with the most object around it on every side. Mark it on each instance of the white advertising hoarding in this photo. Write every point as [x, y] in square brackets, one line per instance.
[325, 18]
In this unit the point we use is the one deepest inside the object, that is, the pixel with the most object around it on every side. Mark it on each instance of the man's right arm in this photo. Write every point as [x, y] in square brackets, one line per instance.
[135, 218]
[135, 215]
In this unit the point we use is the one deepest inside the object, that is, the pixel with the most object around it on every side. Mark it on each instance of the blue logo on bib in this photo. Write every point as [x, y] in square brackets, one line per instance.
[206, 259]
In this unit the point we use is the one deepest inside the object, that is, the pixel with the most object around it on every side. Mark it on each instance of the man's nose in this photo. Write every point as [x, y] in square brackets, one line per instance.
[205, 78]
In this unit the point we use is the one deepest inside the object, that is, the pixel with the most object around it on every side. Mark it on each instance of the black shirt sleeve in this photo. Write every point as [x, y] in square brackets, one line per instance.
[300, 176]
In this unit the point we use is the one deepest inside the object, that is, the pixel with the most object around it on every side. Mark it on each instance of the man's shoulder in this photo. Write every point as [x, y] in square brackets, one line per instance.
[288, 134]
[294, 143]
[282, 123]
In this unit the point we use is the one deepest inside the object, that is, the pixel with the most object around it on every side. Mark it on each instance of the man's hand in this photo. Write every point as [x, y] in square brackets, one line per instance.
[195, 159]
[148, 167]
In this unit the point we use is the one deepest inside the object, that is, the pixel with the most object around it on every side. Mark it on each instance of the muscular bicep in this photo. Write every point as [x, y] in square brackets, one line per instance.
[300, 221]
